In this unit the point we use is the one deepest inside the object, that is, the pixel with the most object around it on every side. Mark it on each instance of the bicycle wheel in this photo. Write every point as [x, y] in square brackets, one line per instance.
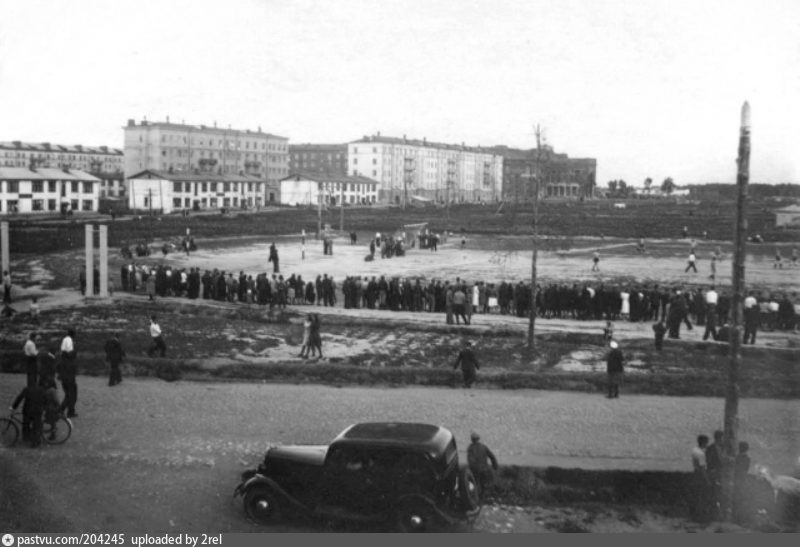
[9, 432]
[57, 432]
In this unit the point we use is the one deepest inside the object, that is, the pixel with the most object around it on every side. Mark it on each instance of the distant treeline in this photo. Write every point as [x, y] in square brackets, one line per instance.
[757, 191]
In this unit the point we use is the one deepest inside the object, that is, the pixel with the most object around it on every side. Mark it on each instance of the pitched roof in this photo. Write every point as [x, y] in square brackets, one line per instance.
[324, 177]
[788, 209]
[22, 173]
[205, 128]
[59, 148]
[423, 143]
[191, 176]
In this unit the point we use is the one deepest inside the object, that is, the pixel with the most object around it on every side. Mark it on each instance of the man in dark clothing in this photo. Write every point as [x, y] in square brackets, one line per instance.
[469, 364]
[114, 356]
[614, 369]
[714, 463]
[479, 458]
[32, 411]
[273, 257]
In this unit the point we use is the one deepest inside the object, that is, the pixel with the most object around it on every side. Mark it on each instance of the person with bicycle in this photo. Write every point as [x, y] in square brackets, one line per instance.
[33, 408]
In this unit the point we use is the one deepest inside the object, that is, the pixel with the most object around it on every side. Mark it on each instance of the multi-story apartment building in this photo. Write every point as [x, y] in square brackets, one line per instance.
[558, 175]
[407, 169]
[180, 147]
[327, 159]
[321, 189]
[42, 190]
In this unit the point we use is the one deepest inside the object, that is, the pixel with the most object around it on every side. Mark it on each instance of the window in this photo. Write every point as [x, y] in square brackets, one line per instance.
[87, 188]
[51, 205]
[355, 161]
[38, 186]
[73, 204]
[187, 203]
[204, 187]
[51, 186]
[37, 205]
[87, 205]
[13, 187]
[74, 189]
[176, 202]
[374, 173]
[177, 187]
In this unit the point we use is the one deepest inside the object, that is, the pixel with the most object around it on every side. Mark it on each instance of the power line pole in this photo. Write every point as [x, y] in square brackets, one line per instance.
[737, 300]
[341, 208]
[535, 180]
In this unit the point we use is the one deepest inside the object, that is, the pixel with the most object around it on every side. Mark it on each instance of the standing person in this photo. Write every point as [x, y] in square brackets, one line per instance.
[714, 462]
[614, 369]
[596, 261]
[114, 355]
[273, 257]
[157, 337]
[608, 332]
[67, 370]
[690, 265]
[31, 366]
[794, 257]
[711, 298]
[482, 463]
[699, 498]
[469, 364]
[306, 347]
[459, 304]
[34, 310]
[751, 317]
[315, 338]
[659, 329]
[714, 258]
[778, 259]
[6, 287]
[741, 467]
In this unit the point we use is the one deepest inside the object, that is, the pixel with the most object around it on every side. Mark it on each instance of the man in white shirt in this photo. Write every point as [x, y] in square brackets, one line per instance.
[30, 359]
[711, 314]
[751, 317]
[158, 339]
[691, 263]
[67, 370]
[701, 499]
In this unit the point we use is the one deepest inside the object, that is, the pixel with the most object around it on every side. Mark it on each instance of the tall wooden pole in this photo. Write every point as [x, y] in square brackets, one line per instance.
[534, 258]
[341, 208]
[737, 300]
[319, 209]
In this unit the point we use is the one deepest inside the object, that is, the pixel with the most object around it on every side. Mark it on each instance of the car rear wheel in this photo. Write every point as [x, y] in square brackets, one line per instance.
[468, 492]
[262, 505]
[416, 516]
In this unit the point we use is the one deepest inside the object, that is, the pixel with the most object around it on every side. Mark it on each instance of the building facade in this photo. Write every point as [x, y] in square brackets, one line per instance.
[558, 175]
[405, 168]
[45, 190]
[329, 159]
[309, 188]
[162, 146]
[166, 192]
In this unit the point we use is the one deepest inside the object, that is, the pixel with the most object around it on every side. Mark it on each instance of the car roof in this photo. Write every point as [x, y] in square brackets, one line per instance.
[430, 438]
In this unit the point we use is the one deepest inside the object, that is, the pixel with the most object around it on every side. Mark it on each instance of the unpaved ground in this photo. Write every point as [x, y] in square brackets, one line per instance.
[156, 456]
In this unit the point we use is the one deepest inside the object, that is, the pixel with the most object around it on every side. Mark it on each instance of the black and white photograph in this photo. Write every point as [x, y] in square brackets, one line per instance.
[412, 266]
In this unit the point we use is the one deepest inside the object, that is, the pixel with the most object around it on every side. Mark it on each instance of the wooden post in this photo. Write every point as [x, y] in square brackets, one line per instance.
[737, 299]
[534, 258]
[319, 209]
[341, 207]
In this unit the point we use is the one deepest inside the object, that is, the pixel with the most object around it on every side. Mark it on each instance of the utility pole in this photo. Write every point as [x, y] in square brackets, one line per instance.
[319, 209]
[737, 299]
[341, 208]
[535, 178]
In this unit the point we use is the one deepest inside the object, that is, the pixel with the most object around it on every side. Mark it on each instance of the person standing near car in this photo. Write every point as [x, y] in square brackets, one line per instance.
[114, 356]
[157, 337]
[482, 463]
[67, 370]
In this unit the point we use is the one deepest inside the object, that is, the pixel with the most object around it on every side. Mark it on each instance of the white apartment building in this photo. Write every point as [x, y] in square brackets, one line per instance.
[407, 168]
[47, 190]
[166, 192]
[310, 188]
[162, 146]
[90, 159]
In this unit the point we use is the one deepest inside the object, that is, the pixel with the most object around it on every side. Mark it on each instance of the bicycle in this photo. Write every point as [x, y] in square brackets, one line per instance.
[56, 432]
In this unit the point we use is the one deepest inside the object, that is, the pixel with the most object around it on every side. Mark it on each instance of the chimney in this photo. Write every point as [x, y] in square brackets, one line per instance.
[215, 124]
[18, 144]
[167, 118]
[259, 129]
[379, 133]
[131, 122]
[404, 138]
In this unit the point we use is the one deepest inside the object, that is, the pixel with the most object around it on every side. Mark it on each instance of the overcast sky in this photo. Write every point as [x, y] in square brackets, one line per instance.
[648, 88]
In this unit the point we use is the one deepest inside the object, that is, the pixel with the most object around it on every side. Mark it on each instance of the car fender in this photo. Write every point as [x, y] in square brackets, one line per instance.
[259, 479]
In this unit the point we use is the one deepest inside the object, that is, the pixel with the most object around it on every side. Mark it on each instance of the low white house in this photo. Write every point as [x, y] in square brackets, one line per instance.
[306, 189]
[787, 216]
[43, 190]
[166, 192]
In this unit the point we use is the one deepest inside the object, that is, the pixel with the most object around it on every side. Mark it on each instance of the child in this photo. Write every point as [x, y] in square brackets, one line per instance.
[608, 332]
[659, 329]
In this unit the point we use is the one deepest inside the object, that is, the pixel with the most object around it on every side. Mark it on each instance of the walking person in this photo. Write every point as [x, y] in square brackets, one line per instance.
[305, 349]
[67, 370]
[31, 365]
[33, 407]
[114, 355]
[690, 265]
[596, 261]
[157, 337]
[711, 298]
[469, 364]
[614, 369]
[483, 464]
[314, 336]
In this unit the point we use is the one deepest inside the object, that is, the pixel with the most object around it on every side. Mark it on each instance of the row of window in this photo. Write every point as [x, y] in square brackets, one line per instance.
[186, 187]
[179, 203]
[38, 186]
[62, 156]
[12, 205]
[222, 143]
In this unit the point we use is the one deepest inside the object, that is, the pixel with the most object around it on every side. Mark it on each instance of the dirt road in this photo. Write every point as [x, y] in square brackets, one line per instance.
[150, 455]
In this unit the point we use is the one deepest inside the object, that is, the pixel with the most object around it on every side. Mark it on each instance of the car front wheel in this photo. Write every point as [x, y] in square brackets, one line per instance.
[416, 515]
[262, 505]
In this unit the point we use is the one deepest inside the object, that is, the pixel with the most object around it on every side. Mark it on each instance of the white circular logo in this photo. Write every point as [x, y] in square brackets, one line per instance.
[8, 540]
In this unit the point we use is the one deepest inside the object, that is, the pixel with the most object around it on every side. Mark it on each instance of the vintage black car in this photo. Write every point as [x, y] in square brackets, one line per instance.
[406, 475]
